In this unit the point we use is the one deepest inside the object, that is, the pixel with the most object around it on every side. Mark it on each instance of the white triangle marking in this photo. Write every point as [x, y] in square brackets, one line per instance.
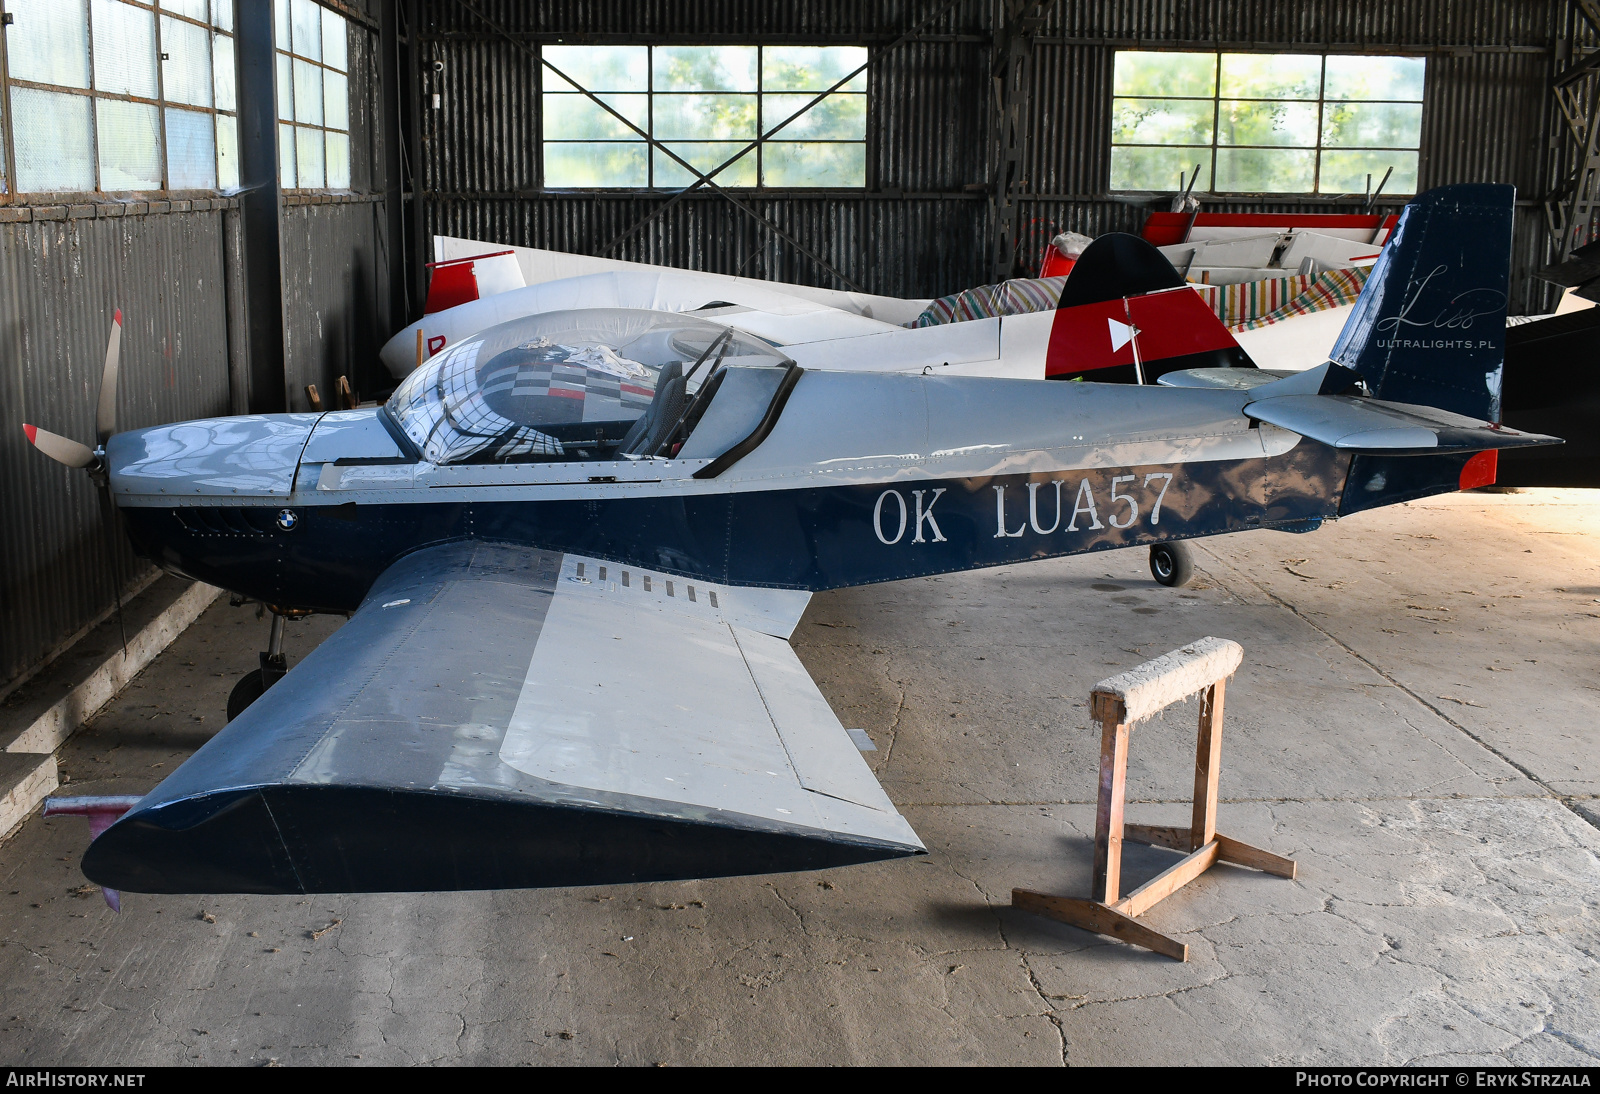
[1121, 334]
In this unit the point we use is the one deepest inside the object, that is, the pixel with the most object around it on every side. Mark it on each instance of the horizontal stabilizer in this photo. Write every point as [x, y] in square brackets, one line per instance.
[1356, 424]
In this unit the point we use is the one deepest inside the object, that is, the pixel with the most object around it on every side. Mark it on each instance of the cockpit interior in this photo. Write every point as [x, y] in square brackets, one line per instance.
[594, 384]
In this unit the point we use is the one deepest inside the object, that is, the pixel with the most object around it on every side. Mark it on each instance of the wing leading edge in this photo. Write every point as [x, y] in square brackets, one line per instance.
[494, 717]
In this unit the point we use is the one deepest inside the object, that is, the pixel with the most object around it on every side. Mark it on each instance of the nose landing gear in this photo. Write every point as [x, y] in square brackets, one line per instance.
[252, 685]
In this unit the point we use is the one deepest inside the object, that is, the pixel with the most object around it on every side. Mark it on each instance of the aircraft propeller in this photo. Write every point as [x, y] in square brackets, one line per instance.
[67, 451]
[73, 453]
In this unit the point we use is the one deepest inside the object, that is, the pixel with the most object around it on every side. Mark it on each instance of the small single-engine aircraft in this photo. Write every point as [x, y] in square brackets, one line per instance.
[575, 544]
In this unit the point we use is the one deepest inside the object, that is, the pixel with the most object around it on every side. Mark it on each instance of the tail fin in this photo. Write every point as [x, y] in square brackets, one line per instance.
[1125, 311]
[1429, 327]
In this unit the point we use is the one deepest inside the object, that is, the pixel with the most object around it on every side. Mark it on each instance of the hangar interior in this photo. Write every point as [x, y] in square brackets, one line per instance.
[260, 204]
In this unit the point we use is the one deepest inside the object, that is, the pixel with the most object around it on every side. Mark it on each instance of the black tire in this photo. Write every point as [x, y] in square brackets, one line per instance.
[1171, 564]
[249, 688]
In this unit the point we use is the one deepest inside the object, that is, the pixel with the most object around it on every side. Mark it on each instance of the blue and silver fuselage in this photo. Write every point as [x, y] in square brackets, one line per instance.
[863, 478]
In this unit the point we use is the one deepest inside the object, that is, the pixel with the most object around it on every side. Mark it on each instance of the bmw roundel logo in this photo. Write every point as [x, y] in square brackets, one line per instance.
[287, 520]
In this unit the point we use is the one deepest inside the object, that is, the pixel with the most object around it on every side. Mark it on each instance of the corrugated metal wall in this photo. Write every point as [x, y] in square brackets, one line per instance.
[174, 270]
[917, 231]
[60, 281]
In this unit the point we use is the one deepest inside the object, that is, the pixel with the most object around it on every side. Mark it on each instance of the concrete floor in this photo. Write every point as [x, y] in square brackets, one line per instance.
[1414, 723]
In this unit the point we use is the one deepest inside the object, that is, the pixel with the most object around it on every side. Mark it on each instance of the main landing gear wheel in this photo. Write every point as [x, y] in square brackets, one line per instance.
[1171, 564]
[251, 686]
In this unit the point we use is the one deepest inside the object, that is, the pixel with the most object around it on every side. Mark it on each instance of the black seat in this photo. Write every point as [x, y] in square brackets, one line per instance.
[647, 433]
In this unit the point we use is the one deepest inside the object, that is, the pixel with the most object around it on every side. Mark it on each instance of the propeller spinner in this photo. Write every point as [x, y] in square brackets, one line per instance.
[73, 453]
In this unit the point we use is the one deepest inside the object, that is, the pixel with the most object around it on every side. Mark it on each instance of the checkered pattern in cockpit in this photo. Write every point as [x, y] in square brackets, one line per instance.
[537, 379]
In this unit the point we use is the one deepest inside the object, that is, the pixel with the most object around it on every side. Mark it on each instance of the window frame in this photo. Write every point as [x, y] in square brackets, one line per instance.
[290, 152]
[1217, 98]
[760, 140]
[11, 194]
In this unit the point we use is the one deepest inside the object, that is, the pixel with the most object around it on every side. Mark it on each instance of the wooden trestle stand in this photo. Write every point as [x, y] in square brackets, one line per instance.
[1117, 704]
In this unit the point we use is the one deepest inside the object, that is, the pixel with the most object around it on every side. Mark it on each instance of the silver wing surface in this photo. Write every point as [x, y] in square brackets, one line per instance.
[494, 717]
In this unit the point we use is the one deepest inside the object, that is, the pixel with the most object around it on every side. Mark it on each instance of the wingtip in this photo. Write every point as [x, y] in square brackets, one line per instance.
[117, 319]
[32, 432]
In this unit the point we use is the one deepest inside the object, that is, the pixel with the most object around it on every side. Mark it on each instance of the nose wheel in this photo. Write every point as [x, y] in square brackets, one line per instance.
[253, 685]
[1171, 564]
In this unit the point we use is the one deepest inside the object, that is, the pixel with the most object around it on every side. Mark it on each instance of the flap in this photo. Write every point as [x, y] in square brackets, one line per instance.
[494, 717]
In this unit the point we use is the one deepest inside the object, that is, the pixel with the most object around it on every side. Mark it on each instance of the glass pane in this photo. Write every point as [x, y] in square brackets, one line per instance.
[194, 9]
[223, 72]
[1158, 168]
[222, 15]
[794, 164]
[308, 157]
[4, 186]
[186, 73]
[705, 116]
[839, 117]
[1165, 75]
[285, 88]
[124, 49]
[1375, 78]
[704, 68]
[280, 23]
[1289, 125]
[705, 155]
[598, 68]
[286, 172]
[48, 42]
[1161, 121]
[335, 41]
[1271, 75]
[227, 152]
[191, 150]
[811, 68]
[307, 92]
[130, 145]
[339, 161]
[595, 165]
[1265, 171]
[305, 30]
[577, 118]
[336, 100]
[1384, 125]
[1345, 172]
[52, 140]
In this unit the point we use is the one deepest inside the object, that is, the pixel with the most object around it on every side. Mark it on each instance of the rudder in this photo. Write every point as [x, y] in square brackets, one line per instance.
[1429, 326]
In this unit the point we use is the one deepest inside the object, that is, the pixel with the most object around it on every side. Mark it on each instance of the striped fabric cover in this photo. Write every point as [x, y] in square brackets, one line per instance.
[1254, 304]
[1016, 297]
[1245, 306]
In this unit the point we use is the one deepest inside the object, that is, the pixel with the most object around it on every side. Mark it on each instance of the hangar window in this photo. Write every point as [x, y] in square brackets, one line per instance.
[118, 96]
[313, 54]
[707, 104]
[1266, 123]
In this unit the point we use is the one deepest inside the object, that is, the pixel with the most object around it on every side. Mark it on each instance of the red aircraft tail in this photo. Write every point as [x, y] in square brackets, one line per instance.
[1126, 316]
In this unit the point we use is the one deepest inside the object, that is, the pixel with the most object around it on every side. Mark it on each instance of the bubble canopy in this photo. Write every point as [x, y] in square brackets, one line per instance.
[563, 385]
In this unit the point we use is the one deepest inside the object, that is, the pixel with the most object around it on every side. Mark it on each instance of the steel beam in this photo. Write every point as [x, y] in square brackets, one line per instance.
[1574, 200]
[1017, 23]
[260, 206]
[390, 137]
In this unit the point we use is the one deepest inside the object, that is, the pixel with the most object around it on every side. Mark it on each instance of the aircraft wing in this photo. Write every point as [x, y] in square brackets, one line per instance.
[496, 717]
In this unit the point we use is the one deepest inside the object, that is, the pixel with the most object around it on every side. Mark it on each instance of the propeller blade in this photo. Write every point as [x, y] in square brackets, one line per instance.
[105, 417]
[59, 448]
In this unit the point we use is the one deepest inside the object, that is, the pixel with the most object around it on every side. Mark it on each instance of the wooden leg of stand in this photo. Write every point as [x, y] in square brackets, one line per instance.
[1099, 919]
[1108, 817]
[1242, 854]
[1207, 766]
